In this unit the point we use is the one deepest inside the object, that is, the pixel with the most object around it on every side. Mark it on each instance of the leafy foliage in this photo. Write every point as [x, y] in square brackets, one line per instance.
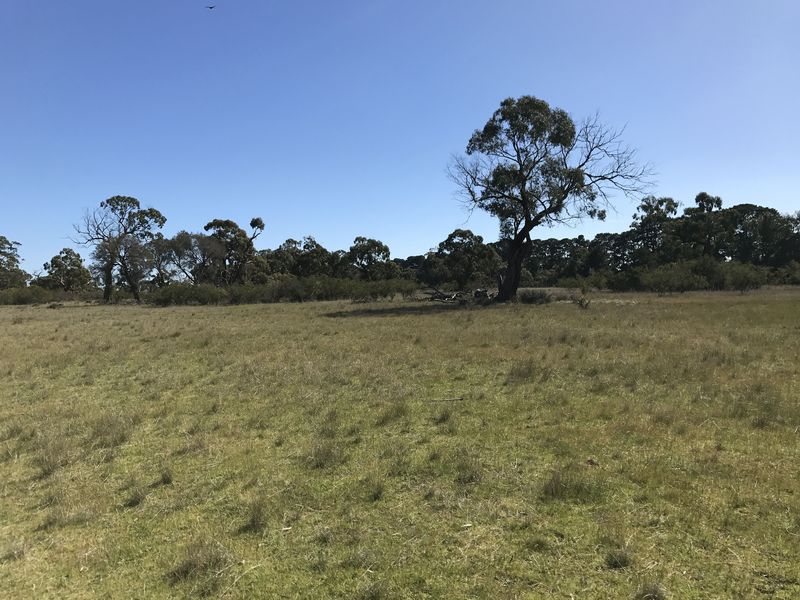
[10, 273]
[65, 271]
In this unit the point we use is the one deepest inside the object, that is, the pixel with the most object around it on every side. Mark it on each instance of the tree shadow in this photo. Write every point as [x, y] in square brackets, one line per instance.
[397, 311]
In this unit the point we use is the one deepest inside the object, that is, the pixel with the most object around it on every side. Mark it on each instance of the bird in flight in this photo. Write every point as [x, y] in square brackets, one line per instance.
[211, 7]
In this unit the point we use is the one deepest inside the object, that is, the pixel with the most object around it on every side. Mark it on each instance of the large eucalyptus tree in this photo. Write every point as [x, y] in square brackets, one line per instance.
[531, 165]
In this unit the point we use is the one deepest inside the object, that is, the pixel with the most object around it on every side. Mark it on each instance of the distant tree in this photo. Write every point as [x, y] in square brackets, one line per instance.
[652, 241]
[433, 270]
[312, 260]
[10, 273]
[66, 271]
[163, 269]
[195, 257]
[701, 229]
[411, 263]
[340, 265]
[117, 230]
[283, 260]
[371, 258]
[461, 258]
[531, 166]
[238, 245]
[136, 263]
[706, 203]
[301, 259]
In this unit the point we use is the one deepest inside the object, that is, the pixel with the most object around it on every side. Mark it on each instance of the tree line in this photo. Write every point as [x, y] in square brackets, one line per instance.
[530, 166]
[705, 247]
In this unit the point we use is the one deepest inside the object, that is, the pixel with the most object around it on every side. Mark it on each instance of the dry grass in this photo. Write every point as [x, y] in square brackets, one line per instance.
[395, 450]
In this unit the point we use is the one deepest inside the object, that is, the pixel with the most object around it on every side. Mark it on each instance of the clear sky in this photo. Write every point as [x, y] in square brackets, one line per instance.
[338, 119]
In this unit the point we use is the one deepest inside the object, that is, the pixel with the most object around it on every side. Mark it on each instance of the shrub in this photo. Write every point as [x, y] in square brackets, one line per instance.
[184, 293]
[27, 295]
[711, 270]
[675, 277]
[788, 275]
[742, 277]
[533, 296]
[283, 288]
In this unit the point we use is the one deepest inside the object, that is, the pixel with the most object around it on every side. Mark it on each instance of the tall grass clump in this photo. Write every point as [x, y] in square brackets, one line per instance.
[257, 512]
[52, 452]
[204, 562]
[571, 483]
[650, 591]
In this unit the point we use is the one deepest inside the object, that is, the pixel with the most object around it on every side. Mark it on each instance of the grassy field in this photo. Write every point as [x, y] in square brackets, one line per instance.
[644, 448]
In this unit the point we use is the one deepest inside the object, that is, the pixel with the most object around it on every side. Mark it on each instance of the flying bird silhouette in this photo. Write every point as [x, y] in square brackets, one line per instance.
[212, 7]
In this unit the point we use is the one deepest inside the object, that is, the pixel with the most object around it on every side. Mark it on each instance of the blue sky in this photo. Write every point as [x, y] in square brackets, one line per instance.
[338, 119]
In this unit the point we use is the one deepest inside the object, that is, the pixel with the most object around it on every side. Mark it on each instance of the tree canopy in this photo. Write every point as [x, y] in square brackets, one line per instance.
[10, 273]
[65, 271]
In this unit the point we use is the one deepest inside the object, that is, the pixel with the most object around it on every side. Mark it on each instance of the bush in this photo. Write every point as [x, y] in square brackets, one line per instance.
[531, 296]
[36, 294]
[788, 275]
[185, 293]
[283, 288]
[675, 277]
[625, 281]
[742, 277]
[709, 269]
[27, 295]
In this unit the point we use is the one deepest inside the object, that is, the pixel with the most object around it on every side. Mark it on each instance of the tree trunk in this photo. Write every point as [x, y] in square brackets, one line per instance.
[508, 281]
[108, 282]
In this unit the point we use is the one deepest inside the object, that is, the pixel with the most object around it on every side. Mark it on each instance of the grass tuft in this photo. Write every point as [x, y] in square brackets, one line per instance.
[111, 430]
[256, 516]
[394, 412]
[537, 543]
[136, 496]
[650, 591]
[203, 563]
[53, 452]
[468, 469]
[373, 487]
[14, 551]
[164, 475]
[572, 484]
[618, 558]
[325, 455]
[371, 591]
